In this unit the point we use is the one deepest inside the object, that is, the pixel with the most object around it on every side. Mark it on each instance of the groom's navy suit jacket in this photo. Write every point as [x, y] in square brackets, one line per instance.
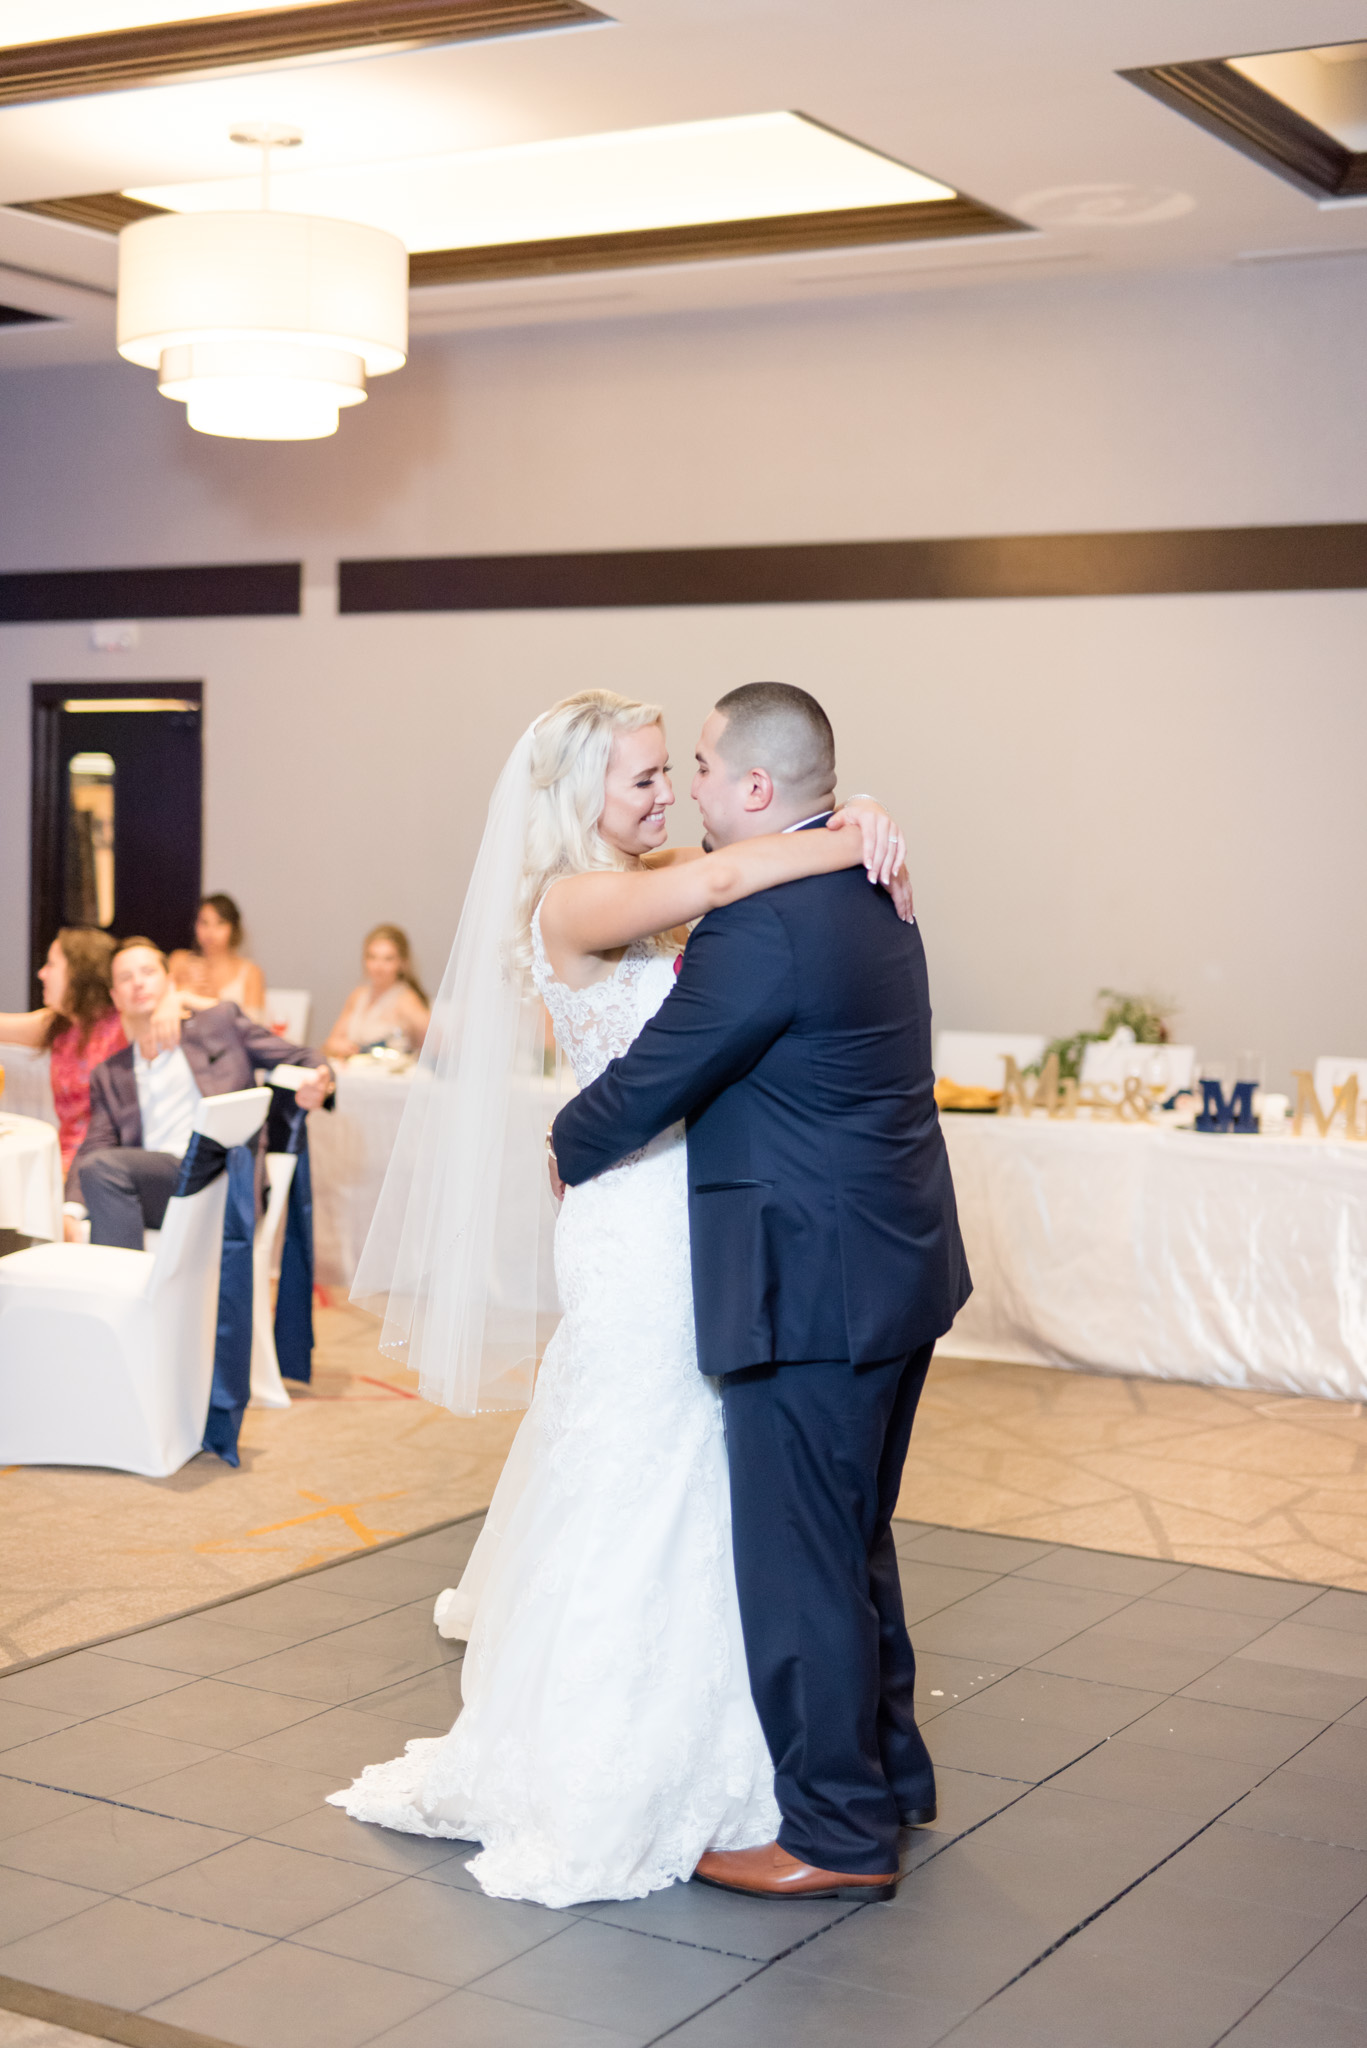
[796, 1043]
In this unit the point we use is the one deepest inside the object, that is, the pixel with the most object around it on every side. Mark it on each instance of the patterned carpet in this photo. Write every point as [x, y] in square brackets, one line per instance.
[357, 1459]
[1249, 1482]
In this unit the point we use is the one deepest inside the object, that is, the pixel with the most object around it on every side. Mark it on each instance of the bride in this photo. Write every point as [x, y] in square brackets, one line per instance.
[608, 1736]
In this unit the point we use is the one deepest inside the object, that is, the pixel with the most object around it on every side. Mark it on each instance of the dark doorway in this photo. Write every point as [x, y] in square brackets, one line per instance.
[116, 812]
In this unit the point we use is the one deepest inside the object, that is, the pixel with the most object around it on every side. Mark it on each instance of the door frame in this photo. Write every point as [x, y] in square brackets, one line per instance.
[47, 809]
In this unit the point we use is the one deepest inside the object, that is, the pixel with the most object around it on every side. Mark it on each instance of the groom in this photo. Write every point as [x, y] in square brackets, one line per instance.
[826, 1261]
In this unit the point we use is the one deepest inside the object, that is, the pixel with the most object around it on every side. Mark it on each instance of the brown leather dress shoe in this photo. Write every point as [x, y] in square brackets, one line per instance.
[771, 1873]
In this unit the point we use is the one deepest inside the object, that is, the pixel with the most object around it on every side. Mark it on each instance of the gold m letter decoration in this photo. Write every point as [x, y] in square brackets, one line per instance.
[1345, 1104]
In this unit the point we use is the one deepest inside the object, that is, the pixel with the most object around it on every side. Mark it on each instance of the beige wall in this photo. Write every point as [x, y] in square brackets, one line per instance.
[1160, 793]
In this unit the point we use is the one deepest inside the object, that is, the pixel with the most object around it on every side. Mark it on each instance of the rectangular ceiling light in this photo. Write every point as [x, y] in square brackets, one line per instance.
[1326, 87]
[22, 22]
[1300, 113]
[749, 167]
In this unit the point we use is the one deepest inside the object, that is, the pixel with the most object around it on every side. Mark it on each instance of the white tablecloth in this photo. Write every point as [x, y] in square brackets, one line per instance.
[349, 1149]
[1233, 1261]
[30, 1177]
[28, 1083]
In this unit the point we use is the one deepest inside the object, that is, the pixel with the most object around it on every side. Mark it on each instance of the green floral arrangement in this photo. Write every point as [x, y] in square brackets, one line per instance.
[1147, 1017]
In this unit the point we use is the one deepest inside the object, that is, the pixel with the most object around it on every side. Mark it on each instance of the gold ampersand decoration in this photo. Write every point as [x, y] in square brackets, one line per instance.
[1023, 1094]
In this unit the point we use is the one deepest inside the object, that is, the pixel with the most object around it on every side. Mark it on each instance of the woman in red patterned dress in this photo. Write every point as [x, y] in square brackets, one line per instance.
[78, 1025]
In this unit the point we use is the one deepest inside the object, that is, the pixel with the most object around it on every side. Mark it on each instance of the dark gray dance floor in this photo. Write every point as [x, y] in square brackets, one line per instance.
[1153, 1830]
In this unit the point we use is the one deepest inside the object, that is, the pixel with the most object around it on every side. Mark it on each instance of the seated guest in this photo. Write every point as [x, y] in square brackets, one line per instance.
[143, 1102]
[215, 972]
[389, 1007]
[78, 1025]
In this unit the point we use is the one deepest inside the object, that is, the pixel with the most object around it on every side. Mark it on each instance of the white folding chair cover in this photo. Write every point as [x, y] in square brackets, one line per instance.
[289, 1007]
[976, 1059]
[268, 1388]
[107, 1356]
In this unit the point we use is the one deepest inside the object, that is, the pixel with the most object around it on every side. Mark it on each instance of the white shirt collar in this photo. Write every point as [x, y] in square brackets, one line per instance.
[803, 823]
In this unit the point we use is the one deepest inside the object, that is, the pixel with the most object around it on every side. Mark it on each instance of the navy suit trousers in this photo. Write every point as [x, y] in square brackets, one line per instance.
[816, 1454]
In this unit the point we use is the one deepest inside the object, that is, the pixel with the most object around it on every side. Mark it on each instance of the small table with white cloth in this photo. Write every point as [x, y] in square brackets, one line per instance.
[1171, 1254]
[349, 1148]
[28, 1082]
[30, 1177]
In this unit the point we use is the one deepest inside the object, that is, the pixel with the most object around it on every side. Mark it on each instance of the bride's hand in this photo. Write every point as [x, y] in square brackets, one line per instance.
[899, 888]
[884, 847]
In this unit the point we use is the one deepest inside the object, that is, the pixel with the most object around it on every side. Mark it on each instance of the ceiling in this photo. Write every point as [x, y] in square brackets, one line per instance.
[1020, 108]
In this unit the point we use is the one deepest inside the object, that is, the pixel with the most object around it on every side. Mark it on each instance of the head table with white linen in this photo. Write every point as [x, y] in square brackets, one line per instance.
[1174, 1254]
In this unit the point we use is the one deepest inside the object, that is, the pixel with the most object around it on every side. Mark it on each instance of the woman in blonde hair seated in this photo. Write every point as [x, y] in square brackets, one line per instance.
[389, 1007]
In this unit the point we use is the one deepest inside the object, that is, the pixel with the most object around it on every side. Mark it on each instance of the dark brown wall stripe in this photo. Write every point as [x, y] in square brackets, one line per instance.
[862, 572]
[228, 590]
[120, 58]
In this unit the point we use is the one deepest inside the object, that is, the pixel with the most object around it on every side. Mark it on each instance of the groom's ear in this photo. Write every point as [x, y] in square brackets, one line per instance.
[759, 789]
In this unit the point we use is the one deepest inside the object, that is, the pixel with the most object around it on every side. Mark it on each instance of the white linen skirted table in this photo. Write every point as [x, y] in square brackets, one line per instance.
[1172, 1254]
[349, 1149]
[30, 1177]
[28, 1082]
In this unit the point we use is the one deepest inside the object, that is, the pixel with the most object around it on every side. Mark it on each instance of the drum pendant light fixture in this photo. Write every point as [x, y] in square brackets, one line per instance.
[262, 324]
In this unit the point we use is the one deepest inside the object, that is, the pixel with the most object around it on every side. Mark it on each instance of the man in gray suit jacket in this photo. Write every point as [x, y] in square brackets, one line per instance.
[143, 1102]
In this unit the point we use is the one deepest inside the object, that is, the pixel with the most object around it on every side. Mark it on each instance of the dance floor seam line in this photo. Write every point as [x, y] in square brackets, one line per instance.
[1098, 1912]
[1273, 1988]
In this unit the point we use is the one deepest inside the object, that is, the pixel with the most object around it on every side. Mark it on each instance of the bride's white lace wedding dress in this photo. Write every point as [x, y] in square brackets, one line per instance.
[608, 1736]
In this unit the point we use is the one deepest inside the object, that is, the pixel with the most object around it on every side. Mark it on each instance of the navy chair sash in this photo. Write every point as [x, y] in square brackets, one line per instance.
[287, 1130]
[204, 1161]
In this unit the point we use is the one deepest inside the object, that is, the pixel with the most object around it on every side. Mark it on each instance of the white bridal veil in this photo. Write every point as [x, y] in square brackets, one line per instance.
[458, 1259]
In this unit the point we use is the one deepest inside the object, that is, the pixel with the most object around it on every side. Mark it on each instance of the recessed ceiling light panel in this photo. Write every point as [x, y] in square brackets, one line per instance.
[750, 167]
[1300, 113]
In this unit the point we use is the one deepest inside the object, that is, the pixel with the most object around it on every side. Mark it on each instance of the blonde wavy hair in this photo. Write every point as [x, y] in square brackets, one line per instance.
[571, 747]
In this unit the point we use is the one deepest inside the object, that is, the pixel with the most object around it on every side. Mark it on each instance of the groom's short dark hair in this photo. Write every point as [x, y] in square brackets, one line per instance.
[780, 728]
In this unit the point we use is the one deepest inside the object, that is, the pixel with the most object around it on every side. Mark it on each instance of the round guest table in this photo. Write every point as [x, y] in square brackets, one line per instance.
[349, 1149]
[28, 1082]
[30, 1177]
[1175, 1254]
